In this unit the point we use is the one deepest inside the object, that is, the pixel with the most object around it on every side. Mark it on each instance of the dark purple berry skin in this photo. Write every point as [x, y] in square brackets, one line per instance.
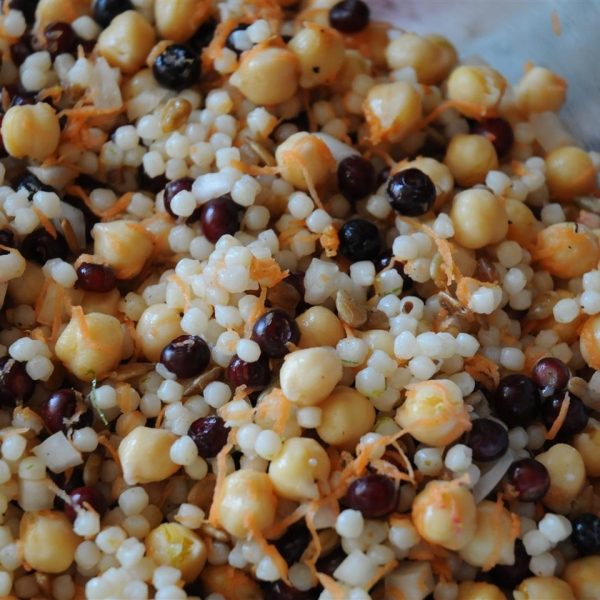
[292, 544]
[186, 356]
[173, 188]
[57, 38]
[21, 49]
[550, 375]
[586, 534]
[96, 278]
[373, 495]
[30, 183]
[273, 331]
[411, 192]
[39, 246]
[255, 375]
[220, 217]
[177, 67]
[331, 562]
[349, 16]
[15, 383]
[487, 439]
[576, 419]
[529, 478]
[59, 407]
[517, 400]
[356, 178]
[7, 237]
[106, 10]
[204, 36]
[209, 434]
[510, 576]
[498, 131]
[360, 240]
[86, 495]
[384, 259]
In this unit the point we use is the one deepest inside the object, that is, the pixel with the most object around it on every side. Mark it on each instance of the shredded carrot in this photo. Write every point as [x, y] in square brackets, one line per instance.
[275, 404]
[268, 549]
[160, 417]
[266, 271]
[444, 106]
[335, 590]
[45, 221]
[483, 369]
[560, 419]
[254, 170]
[219, 490]
[556, 25]
[256, 313]
[330, 240]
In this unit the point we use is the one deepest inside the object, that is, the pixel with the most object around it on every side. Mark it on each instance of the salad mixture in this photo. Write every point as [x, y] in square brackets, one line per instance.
[295, 305]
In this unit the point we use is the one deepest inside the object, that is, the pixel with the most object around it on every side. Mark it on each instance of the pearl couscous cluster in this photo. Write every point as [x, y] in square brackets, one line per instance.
[295, 305]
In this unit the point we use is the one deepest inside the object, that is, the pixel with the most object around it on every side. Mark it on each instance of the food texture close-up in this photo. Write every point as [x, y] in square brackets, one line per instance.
[295, 304]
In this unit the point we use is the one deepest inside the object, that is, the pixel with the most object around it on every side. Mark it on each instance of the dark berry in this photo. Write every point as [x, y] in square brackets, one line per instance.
[61, 406]
[517, 400]
[373, 495]
[57, 38]
[173, 188]
[86, 495]
[7, 239]
[498, 131]
[575, 420]
[106, 10]
[349, 16]
[255, 375]
[177, 67]
[15, 383]
[295, 278]
[356, 178]
[550, 375]
[273, 331]
[229, 41]
[383, 261]
[328, 564]
[21, 49]
[529, 478]
[510, 576]
[24, 99]
[411, 192]
[204, 36]
[278, 590]
[96, 278]
[186, 356]
[586, 534]
[40, 246]
[220, 217]
[382, 177]
[209, 434]
[292, 544]
[27, 7]
[360, 240]
[153, 184]
[488, 440]
[30, 183]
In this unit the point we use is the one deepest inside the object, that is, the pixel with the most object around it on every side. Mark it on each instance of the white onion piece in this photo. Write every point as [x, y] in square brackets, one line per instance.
[57, 176]
[104, 87]
[491, 478]
[145, 103]
[320, 281]
[75, 217]
[338, 149]
[550, 131]
[58, 453]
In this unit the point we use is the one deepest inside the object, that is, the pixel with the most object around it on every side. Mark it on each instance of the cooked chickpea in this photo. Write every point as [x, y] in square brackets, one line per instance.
[392, 111]
[548, 588]
[590, 342]
[176, 546]
[540, 90]
[320, 52]
[377, 339]
[583, 575]
[127, 41]
[247, 496]
[567, 476]
[309, 376]
[47, 541]
[438, 172]
[434, 412]
[267, 75]
[347, 416]
[26, 289]
[570, 172]
[158, 326]
[523, 227]
[303, 159]
[31, 131]
[221, 579]
[588, 445]
[478, 89]
[470, 158]
[479, 218]
[300, 466]
[354, 64]
[124, 245]
[471, 590]
[494, 539]
[448, 57]
[178, 21]
[567, 250]
[66, 11]
[444, 513]
[266, 418]
[91, 345]
[319, 327]
[139, 82]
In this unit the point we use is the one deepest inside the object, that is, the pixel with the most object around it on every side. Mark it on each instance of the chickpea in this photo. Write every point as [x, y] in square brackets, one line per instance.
[347, 416]
[567, 476]
[320, 52]
[448, 56]
[479, 219]
[438, 172]
[392, 111]
[178, 20]
[139, 82]
[26, 289]
[309, 376]
[470, 158]
[31, 131]
[471, 590]
[229, 582]
[176, 546]
[66, 11]
[319, 327]
[444, 513]
[144, 455]
[570, 172]
[267, 417]
[304, 159]
[378, 339]
[494, 539]
[247, 495]
[158, 326]
[127, 41]
[295, 472]
[124, 245]
[540, 90]
[566, 250]
[548, 588]
[583, 575]
[543, 304]
[479, 89]
[267, 75]
[434, 412]
[47, 540]
[91, 345]
[523, 226]
[354, 64]
[587, 444]
[107, 303]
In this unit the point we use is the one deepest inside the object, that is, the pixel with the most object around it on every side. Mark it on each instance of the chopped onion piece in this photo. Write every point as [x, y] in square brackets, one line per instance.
[491, 478]
[338, 149]
[104, 87]
[58, 453]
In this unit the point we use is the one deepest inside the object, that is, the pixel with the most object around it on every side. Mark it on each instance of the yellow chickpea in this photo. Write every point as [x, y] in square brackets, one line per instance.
[583, 575]
[158, 326]
[471, 590]
[470, 158]
[377, 339]
[448, 57]
[540, 90]
[570, 172]
[31, 131]
[247, 498]
[178, 20]
[392, 111]
[523, 227]
[48, 11]
[567, 476]
[222, 579]
[444, 513]
[139, 82]
[479, 89]
[300, 466]
[347, 416]
[127, 41]
[587, 444]
[543, 304]
[438, 172]
[354, 64]
[26, 289]
[303, 159]
[319, 327]
[548, 588]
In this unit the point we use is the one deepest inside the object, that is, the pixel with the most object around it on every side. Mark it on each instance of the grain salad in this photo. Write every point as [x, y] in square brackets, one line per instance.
[296, 305]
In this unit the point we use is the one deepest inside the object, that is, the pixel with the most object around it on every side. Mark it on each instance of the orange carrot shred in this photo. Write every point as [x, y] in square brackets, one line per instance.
[219, 489]
[45, 221]
[560, 419]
